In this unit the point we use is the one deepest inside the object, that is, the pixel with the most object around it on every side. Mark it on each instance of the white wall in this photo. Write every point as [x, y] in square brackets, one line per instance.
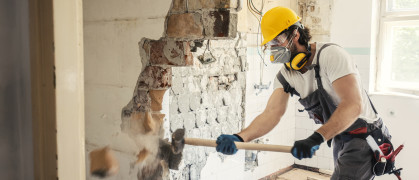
[353, 32]
[256, 100]
[112, 31]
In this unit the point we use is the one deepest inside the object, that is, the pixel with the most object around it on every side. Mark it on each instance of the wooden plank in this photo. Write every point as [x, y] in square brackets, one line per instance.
[43, 89]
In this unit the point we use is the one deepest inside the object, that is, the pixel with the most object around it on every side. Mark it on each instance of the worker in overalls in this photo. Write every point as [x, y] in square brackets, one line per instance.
[328, 83]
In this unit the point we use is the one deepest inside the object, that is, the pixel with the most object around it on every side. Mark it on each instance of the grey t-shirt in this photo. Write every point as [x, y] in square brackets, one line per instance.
[335, 63]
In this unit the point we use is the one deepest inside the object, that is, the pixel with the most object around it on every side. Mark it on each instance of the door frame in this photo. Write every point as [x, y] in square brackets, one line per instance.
[57, 76]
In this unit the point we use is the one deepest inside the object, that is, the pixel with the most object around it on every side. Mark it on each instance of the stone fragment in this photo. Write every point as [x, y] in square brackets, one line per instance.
[103, 163]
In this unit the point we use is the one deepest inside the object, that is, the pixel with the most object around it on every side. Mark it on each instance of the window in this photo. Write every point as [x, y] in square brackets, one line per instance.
[398, 47]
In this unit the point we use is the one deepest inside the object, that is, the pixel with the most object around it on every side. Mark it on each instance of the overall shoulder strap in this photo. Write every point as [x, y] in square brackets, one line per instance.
[286, 85]
[317, 66]
[372, 105]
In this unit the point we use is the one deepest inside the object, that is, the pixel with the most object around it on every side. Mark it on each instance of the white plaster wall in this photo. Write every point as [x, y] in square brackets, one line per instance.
[112, 30]
[400, 115]
[354, 32]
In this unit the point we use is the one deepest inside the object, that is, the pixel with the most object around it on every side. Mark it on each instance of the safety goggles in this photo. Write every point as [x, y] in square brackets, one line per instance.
[278, 40]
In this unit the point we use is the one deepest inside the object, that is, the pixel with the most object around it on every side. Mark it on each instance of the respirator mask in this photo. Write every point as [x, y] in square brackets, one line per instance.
[280, 54]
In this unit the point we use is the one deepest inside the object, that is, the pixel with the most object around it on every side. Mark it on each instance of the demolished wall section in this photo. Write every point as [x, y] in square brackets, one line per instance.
[208, 99]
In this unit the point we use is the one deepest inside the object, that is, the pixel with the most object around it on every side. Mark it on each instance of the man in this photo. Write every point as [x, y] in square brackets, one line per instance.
[329, 85]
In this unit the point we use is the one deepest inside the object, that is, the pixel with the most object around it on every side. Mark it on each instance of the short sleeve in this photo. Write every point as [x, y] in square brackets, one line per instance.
[277, 84]
[336, 63]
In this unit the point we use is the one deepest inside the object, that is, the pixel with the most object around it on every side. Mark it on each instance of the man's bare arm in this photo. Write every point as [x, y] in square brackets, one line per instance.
[269, 118]
[348, 109]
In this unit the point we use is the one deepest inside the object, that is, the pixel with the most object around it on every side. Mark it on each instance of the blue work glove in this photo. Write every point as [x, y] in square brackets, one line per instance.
[225, 143]
[305, 148]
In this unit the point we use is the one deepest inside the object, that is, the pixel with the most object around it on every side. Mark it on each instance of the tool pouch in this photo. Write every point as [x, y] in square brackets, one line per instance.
[384, 163]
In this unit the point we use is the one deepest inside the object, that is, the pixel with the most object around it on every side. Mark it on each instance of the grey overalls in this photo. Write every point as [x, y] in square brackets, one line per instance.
[353, 157]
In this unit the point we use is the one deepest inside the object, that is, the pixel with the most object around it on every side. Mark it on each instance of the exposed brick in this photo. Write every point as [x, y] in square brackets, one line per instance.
[220, 23]
[170, 52]
[187, 25]
[154, 77]
[205, 4]
[156, 99]
[178, 6]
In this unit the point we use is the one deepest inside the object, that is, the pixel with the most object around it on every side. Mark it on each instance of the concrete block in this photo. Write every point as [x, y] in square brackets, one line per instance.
[183, 102]
[201, 118]
[222, 114]
[212, 116]
[205, 100]
[173, 107]
[195, 101]
[170, 52]
[219, 23]
[177, 85]
[189, 120]
[176, 122]
[215, 131]
[155, 77]
[185, 26]
[205, 130]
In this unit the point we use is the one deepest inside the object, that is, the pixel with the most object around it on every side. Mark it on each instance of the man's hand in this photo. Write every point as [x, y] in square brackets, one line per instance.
[225, 143]
[305, 148]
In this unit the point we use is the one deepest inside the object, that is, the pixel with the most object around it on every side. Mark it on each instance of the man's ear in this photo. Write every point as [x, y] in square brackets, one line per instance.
[297, 35]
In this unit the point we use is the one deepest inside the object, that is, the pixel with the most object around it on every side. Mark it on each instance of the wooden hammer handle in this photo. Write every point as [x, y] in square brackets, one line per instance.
[240, 145]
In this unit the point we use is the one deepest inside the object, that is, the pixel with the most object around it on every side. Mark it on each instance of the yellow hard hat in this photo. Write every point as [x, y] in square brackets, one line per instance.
[275, 21]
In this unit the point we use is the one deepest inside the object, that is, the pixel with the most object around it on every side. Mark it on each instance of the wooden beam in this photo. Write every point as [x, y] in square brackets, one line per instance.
[43, 89]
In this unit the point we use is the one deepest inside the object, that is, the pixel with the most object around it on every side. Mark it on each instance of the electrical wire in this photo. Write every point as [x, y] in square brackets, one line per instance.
[258, 15]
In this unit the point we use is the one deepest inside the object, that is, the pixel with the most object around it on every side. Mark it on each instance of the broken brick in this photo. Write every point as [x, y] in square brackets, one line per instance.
[156, 99]
[170, 52]
[220, 23]
[155, 77]
[186, 25]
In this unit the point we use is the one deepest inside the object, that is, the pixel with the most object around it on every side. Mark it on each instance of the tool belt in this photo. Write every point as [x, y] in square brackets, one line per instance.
[379, 140]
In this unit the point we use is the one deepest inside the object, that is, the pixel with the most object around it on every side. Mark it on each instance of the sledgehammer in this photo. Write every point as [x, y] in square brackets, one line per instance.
[179, 141]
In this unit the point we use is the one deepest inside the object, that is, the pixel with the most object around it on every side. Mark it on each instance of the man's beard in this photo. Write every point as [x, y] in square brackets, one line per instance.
[293, 50]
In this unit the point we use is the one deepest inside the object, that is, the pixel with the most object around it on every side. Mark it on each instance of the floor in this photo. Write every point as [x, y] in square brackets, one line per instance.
[301, 174]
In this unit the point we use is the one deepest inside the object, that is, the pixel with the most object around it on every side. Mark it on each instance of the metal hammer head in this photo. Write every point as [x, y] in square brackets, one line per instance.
[178, 141]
